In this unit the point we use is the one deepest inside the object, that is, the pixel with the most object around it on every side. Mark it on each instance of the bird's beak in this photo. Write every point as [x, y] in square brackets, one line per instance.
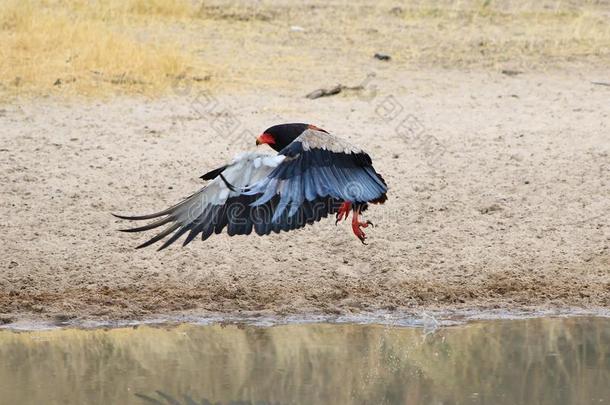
[265, 138]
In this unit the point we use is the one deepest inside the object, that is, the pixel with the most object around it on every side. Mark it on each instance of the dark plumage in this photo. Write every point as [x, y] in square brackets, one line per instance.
[313, 175]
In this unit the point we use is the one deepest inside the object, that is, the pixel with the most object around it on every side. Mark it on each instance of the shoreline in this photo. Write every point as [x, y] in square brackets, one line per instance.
[428, 320]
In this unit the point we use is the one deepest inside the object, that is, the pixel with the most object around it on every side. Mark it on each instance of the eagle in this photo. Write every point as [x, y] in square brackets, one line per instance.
[313, 175]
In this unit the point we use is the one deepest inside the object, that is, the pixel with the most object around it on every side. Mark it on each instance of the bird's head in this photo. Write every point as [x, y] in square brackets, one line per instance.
[280, 136]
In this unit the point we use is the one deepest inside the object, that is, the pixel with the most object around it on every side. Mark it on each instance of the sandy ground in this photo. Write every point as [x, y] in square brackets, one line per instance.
[499, 198]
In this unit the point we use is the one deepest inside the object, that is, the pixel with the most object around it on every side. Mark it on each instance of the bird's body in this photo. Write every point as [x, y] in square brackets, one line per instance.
[313, 175]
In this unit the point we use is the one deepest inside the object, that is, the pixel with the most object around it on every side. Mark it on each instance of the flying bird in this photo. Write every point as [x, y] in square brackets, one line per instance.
[314, 174]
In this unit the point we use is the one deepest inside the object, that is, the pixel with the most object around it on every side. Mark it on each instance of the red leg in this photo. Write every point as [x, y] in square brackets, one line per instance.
[343, 212]
[356, 225]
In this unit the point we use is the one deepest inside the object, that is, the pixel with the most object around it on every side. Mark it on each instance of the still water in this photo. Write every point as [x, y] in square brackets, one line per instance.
[537, 361]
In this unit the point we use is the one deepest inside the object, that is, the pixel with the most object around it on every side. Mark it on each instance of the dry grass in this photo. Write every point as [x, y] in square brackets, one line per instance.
[337, 42]
[88, 48]
[137, 46]
[490, 33]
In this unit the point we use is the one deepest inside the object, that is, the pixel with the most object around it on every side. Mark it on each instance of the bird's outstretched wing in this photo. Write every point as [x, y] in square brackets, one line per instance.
[306, 181]
[222, 204]
[319, 165]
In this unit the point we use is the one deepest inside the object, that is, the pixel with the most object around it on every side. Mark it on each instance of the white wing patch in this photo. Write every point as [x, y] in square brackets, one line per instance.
[245, 169]
[313, 139]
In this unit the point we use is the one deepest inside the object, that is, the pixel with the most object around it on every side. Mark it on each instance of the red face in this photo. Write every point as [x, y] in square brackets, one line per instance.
[280, 136]
[265, 138]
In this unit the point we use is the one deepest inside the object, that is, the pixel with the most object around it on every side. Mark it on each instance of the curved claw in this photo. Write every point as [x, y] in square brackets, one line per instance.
[357, 226]
[343, 212]
[360, 235]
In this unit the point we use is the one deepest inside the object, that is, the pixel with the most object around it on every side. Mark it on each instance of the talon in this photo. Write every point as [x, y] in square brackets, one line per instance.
[362, 238]
[343, 212]
[357, 225]
[370, 223]
[339, 217]
[359, 234]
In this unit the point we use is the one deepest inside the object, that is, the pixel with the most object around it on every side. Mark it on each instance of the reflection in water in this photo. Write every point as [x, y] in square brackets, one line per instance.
[540, 361]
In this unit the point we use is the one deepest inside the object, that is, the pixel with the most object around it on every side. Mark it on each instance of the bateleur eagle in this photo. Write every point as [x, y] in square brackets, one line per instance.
[314, 174]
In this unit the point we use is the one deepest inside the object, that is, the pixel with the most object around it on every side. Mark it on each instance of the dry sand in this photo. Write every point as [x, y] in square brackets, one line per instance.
[499, 199]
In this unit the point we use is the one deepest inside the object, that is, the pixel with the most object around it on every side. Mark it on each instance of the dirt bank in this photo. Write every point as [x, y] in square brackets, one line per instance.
[499, 198]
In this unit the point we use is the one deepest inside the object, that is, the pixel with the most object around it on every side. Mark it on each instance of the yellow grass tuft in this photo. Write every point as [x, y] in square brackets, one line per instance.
[84, 47]
[106, 47]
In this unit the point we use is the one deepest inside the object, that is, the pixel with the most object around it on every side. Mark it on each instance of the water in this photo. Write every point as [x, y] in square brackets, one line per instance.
[537, 361]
